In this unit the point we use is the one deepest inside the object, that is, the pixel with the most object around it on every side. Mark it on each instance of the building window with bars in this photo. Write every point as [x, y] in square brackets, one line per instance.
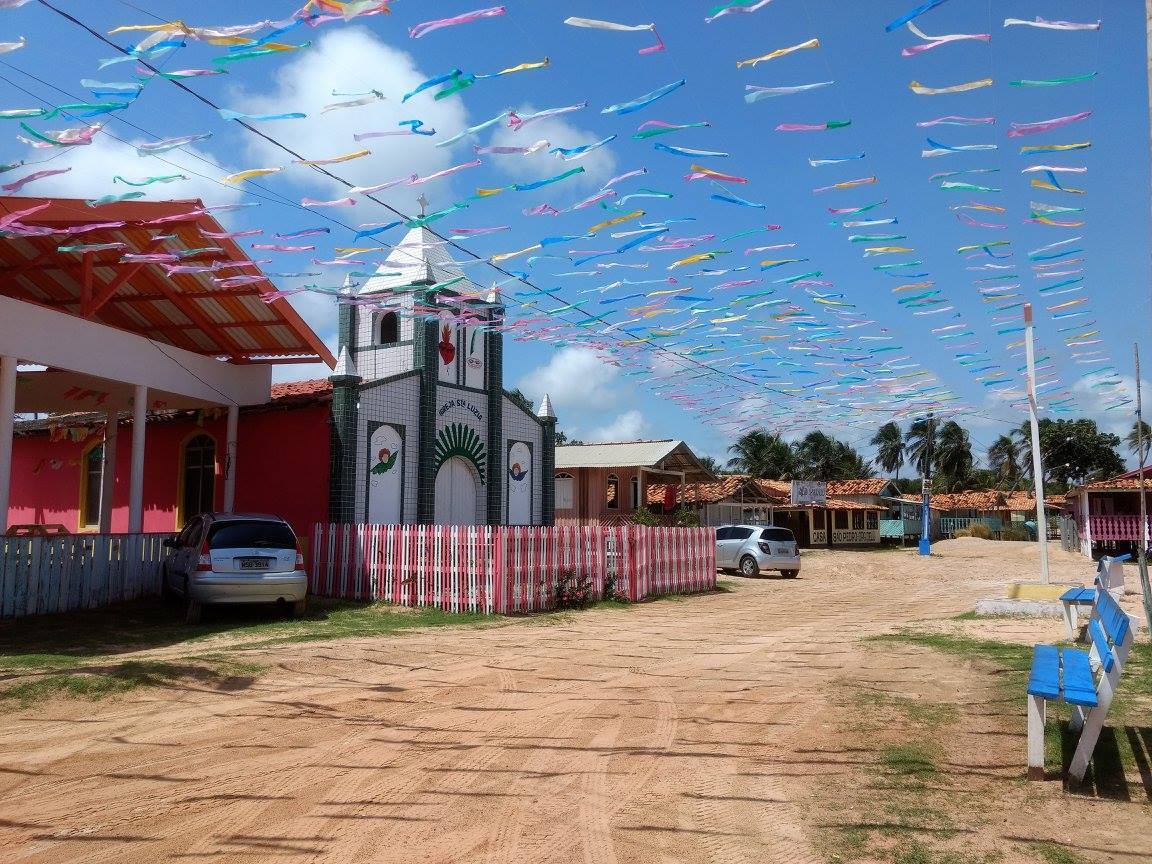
[198, 477]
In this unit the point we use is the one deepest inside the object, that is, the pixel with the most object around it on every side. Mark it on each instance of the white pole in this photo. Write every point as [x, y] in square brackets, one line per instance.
[108, 477]
[1037, 462]
[136, 478]
[7, 424]
[230, 458]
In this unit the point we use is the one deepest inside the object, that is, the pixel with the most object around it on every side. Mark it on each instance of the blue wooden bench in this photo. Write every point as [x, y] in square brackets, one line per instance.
[1085, 680]
[1075, 598]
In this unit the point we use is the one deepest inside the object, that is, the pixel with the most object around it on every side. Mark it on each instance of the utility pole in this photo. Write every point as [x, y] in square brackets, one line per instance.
[926, 489]
[1037, 466]
[1142, 453]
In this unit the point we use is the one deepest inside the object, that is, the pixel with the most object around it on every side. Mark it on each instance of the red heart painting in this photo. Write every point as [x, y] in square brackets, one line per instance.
[447, 349]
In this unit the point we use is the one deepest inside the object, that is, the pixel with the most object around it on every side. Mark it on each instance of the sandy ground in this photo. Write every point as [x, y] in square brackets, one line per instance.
[708, 729]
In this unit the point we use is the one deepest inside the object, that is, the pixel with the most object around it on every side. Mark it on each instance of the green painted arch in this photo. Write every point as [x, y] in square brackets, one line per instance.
[456, 439]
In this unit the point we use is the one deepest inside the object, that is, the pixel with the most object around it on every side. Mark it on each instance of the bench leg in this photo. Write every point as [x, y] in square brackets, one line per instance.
[1086, 744]
[1036, 737]
[1076, 721]
[1069, 613]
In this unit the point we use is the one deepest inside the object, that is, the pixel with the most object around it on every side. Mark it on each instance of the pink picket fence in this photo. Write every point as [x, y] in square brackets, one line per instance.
[1115, 528]
[479, 568]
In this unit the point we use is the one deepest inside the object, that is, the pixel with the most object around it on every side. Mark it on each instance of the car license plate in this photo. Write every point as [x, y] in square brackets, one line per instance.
[253, 563]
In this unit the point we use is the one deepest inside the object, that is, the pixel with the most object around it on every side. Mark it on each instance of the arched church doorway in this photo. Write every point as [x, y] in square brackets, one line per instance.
[456, 493]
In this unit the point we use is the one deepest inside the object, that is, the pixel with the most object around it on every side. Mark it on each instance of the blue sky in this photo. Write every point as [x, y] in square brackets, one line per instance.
[636, 390]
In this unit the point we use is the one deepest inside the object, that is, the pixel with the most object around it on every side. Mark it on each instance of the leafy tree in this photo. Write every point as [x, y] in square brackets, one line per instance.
[760, 453]
[819, 456]
[711, 464]
[1071, 451]
[920, 439]
[952, 456]
[522, 400]
[1004, 459]
[1132, 439]
[890, 451]
[562, 439]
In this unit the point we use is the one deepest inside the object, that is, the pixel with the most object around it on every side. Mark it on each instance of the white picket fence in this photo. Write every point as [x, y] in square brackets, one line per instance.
[505, 569]
[39, 575]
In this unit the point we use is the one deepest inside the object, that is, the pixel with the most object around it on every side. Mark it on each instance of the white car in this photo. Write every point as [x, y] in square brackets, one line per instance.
[752, 549]
[235, 558]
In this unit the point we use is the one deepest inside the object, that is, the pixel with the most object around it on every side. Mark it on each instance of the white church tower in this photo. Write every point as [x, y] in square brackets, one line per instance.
[423, 431]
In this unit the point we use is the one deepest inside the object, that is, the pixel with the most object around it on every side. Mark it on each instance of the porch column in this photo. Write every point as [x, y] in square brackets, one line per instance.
[7, 418]
[108, 471]
[136, 477]
[230, 458]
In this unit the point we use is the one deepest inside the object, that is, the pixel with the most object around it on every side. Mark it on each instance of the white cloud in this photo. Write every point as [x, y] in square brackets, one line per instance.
[576, 379]
[1092, 401]
[94, 165]
[599, 165]
[626, 427]
[354, 60]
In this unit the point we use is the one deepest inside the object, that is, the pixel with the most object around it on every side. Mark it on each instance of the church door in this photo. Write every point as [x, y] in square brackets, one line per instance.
[455, 493]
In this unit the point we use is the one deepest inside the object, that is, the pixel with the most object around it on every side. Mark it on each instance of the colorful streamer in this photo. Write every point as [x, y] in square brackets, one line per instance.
[427, 27]
[779, 52]
[645, 100]
[920, 90]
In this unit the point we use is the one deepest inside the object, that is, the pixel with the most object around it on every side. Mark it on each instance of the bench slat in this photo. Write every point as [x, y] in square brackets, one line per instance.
[1079, 595]
[1079, 685]
[1045, 678]
[1100, 640]
[1115, 622]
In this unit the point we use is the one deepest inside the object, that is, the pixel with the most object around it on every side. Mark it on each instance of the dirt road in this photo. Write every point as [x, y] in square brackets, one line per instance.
[683, 730]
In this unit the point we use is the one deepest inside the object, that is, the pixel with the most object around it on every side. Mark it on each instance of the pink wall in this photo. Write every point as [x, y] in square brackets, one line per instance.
[282, 463]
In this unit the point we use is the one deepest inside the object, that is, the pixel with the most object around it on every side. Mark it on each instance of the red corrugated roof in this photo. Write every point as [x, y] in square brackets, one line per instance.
[187, 310]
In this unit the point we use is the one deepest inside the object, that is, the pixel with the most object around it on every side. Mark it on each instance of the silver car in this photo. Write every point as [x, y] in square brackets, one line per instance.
[235, 558]
[752, 549]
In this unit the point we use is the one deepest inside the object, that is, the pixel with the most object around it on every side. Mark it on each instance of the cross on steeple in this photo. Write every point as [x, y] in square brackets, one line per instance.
[423, 202]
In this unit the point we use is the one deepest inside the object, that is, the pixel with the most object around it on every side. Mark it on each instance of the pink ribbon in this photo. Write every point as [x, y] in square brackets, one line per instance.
[429, 26]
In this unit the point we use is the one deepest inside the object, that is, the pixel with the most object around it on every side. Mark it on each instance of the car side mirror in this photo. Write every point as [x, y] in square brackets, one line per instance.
[169, 543]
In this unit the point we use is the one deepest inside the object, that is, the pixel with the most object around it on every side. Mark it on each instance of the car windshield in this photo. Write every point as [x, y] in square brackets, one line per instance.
[780, 535]
[251, 534]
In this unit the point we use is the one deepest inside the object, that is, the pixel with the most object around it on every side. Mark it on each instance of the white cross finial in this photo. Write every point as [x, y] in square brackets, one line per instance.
[423, 202]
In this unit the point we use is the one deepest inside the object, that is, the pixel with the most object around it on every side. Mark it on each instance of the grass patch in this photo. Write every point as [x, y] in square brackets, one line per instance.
[930, 715]
[909, 760]
[1014, 658]
[98, 682]
[1053, 854]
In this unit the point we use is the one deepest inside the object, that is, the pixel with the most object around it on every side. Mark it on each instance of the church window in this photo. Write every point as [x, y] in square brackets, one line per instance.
[387, 329]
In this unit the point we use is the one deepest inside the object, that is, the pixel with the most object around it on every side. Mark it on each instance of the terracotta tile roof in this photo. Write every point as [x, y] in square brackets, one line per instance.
[1121, 483]
[985, 500]
[873, 486]
[773, 493]
[291, 393]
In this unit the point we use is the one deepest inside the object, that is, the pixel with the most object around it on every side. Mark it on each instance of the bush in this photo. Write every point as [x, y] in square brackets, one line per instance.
[980, 530]
[644, 516]
[612, 591]
[1015, 533]
[686, 517]
[963, 532]
[573, 591]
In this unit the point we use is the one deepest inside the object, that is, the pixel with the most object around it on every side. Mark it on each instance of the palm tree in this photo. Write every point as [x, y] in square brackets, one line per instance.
[819, 456]
[761, 453]
[920, 440]
[852, 465]
[889, 444]
[1133, 437]
[953, 454]
[1004, 459]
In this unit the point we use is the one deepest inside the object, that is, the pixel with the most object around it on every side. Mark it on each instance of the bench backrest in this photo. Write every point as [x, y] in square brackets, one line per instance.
[1111, 632]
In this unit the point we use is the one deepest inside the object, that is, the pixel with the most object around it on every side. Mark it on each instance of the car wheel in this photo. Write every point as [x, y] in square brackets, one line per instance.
[749, 567]
[193, 609]
[300, 608]
[789, 574]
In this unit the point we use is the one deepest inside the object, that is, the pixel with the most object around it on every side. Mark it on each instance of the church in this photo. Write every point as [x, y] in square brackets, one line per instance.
[413, 427]
[422, 429]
